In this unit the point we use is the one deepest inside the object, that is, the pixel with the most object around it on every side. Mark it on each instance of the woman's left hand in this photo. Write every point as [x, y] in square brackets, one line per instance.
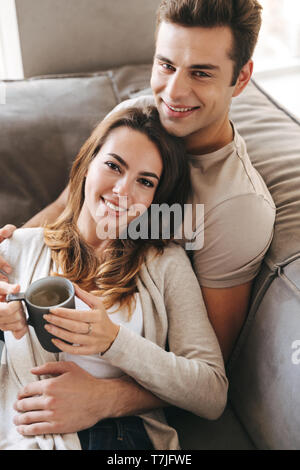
[89, 331]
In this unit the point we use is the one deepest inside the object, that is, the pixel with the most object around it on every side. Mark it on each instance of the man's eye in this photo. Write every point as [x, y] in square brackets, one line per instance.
[113, 166]
[200, 74]
[167, 66]
[146, 183]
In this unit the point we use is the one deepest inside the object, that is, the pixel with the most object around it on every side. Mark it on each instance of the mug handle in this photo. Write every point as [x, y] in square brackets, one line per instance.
[19, 296]
[13, 297]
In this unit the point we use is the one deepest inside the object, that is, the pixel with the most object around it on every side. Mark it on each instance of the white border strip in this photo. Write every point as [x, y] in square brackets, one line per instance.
[11, 66]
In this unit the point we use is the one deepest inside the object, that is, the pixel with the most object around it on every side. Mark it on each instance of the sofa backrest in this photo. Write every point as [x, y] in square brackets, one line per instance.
[65, 36]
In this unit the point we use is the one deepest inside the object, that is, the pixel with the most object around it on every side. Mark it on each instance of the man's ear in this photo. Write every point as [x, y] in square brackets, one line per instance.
[243, 78]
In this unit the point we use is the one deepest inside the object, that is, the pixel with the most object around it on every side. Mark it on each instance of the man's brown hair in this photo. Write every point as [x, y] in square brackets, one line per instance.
[243, 17]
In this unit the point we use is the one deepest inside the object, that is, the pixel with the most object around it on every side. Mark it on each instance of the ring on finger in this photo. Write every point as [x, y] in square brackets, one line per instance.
[89, 328]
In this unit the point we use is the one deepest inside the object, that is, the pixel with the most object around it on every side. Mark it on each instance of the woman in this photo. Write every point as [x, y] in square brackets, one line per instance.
[151, 323]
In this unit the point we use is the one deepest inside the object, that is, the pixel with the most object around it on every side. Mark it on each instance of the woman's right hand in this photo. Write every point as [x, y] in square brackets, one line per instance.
[12, 316]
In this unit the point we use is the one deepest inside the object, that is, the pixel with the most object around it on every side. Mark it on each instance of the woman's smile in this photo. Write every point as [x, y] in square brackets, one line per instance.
[114, 208]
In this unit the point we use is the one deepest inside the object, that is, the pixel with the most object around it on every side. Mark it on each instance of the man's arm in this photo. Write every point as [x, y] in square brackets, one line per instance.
[50, 213]
[227, 310]
[237, 235]
[56, 405]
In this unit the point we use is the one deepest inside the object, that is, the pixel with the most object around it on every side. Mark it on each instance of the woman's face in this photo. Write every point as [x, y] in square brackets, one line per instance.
[120, 183]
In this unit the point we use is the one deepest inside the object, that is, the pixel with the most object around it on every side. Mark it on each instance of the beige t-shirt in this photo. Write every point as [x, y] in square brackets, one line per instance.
[238, 213]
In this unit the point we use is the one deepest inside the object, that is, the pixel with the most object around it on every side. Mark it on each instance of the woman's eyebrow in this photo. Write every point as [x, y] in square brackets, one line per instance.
[143, 173]
[120, 159]
[148, 173]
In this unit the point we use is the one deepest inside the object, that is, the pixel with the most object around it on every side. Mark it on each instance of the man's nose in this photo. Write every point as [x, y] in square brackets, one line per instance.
[178, 87]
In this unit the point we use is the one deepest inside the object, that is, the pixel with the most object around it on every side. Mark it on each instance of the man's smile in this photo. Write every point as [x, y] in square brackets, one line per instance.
[178, 111]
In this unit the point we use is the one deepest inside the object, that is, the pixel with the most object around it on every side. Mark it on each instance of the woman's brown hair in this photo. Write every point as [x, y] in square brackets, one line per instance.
[114, 277]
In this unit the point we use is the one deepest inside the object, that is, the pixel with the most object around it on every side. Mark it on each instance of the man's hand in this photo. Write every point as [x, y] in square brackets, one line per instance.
[74, 400]
[5, 268]
[64, 403]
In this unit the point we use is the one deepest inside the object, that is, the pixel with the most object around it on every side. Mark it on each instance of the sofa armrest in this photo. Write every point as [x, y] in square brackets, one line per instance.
[265, 382]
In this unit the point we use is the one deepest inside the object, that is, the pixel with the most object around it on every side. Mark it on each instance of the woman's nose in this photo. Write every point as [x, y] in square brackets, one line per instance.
[122, 187]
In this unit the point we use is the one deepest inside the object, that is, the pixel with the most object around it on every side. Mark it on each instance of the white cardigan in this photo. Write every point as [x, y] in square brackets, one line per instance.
[189, 375]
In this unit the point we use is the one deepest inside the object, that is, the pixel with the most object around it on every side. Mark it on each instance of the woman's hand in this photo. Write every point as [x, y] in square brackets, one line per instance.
[5, 268]
[12, 316]
[89, 331]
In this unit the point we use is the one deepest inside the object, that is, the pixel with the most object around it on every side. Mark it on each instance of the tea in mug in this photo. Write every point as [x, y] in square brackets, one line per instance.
[49, 296]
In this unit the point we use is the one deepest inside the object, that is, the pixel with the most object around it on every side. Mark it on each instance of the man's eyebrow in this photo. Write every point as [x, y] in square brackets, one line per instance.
[143, 173]
[164, 59]
[204, 67]
[193, 66]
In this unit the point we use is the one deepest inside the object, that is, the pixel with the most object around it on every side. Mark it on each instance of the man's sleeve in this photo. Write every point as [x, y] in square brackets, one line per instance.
[237, 235]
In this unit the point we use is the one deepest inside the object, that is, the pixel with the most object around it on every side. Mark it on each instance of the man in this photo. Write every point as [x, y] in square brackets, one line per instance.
[202, 61]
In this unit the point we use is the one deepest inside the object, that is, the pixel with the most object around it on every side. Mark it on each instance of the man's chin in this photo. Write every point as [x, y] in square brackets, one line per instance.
[176, 130]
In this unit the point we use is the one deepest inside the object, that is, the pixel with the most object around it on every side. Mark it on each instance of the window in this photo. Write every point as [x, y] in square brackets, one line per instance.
[277, 56]
[10, 52]
[279, 40]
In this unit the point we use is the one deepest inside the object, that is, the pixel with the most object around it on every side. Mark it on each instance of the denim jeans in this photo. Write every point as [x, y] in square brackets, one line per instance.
[126, 433]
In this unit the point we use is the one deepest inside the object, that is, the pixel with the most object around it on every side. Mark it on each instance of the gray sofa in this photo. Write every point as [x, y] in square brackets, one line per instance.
[42, 126]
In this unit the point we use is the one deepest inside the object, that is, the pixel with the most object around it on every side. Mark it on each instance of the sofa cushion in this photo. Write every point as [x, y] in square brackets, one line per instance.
[273, 143]
[266, 380]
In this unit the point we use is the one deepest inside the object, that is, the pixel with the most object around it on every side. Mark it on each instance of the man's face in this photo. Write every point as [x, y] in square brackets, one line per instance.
[191, 80]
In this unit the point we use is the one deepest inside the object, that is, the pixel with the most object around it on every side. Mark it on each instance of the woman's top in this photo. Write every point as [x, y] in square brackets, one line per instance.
[178, 359]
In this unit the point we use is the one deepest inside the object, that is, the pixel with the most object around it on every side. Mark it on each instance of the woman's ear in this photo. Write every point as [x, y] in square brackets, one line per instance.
[243, 78]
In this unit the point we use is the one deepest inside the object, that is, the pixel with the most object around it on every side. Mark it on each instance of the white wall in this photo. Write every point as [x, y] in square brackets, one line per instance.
[10, 53]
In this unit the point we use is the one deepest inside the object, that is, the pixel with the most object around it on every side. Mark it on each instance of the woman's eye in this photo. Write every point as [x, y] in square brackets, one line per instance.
[146, 183]
[113, 166]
